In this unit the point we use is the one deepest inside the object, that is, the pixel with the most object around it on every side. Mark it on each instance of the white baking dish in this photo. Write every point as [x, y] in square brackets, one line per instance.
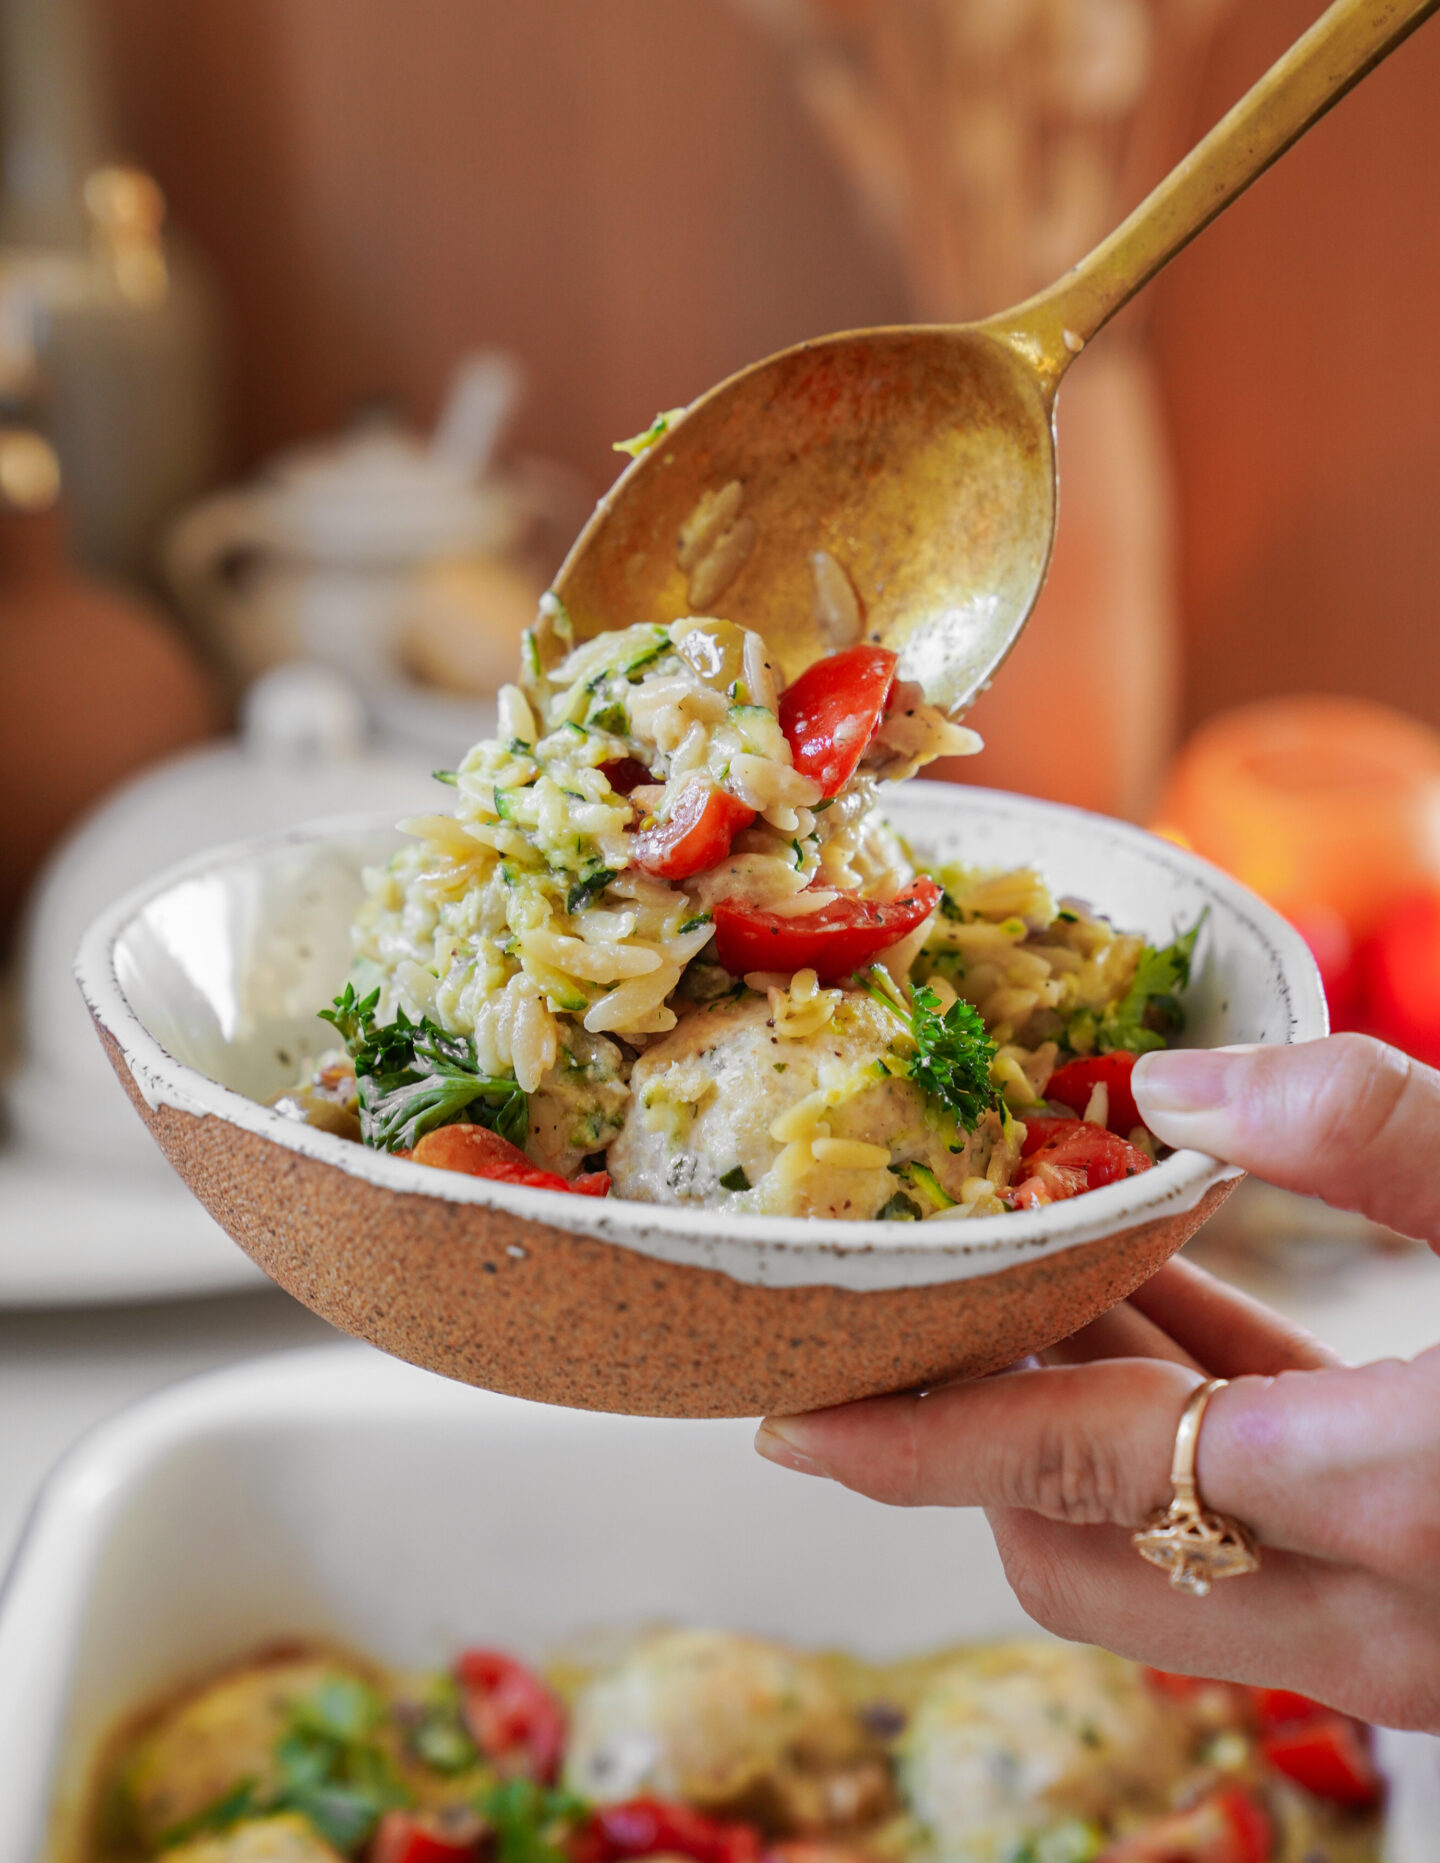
[339, 1493]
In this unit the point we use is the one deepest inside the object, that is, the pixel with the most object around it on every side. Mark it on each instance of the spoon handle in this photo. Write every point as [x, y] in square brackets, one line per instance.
[1345, 43]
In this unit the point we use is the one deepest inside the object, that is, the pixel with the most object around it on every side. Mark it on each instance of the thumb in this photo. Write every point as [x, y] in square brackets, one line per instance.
[1346, 1119]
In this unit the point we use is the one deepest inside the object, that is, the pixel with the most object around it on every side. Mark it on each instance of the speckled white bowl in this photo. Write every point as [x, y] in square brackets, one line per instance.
[204, 985]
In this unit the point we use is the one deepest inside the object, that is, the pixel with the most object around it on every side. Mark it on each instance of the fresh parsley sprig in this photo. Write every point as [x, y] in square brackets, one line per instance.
[411, 1077]
[951, 1062]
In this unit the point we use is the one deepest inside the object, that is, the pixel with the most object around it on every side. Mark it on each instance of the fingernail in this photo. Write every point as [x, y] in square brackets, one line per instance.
[782, 1440]
[1187, 1080]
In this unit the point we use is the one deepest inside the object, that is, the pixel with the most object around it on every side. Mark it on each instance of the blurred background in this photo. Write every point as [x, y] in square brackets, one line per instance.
[318, 323]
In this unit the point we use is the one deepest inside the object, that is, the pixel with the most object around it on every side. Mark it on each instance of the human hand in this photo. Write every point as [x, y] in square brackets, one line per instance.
[1336, 1469]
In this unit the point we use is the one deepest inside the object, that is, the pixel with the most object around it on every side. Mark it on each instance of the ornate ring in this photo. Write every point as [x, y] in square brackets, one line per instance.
[1185, 1539]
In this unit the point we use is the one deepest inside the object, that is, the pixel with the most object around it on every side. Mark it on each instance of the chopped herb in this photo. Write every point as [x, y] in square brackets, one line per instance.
[530, 1822]
[241, 1801]
[411, 1077]
[951, 1062]
[700, 918]
[518, 747]
[642, 442]
[780, 1066]
[735, 1179]
[1067, 917]
[819, 808]
[578, 729]
[449, 777]
[583, 891]
[1149, 1013]
[900, 1209]
[948, 907]
[799, 856]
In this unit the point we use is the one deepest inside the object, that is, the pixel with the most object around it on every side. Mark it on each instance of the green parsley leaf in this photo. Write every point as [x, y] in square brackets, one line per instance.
[411, 1077]
[951, 1062]
[700, 918]
[530, 1821]
[735, 1179]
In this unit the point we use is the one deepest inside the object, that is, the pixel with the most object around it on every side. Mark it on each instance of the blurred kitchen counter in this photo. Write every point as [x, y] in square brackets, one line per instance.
[62, 1372]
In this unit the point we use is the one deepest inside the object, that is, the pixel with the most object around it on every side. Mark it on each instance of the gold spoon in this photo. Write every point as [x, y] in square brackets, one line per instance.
[899, 484]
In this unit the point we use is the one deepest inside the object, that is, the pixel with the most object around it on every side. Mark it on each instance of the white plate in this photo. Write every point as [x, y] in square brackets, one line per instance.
[71, 1237]
[340, 1494]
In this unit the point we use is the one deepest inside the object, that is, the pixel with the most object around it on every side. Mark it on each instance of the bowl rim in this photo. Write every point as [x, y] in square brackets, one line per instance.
[778, 1251]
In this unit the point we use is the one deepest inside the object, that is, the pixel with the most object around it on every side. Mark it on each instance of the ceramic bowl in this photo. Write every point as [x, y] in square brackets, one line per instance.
[204, 984]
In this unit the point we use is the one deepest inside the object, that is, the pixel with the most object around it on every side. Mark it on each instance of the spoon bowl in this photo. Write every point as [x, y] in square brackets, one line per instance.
[918, 463]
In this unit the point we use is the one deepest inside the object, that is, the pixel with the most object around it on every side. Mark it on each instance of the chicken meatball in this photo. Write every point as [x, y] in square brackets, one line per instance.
[730, 1724]
[204, 1745]
[734, 1108]
[1010, 1739]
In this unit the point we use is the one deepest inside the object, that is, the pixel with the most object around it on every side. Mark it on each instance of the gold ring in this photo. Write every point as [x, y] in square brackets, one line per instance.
[1185, 1539]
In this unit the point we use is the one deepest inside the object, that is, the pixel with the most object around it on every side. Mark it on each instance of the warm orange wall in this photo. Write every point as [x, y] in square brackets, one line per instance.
[626, 192]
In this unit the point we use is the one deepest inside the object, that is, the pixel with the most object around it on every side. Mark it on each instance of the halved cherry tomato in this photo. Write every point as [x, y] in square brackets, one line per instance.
[1041, 1128]
[1076, 1157]
[695, 836]
[514, 1719]
[482, 1153]
[840, 938]
[832, 711]
[1282, 1707]
[624, 774]
[1228, 1827]
[812, 1850]
[1330, 1758]
[420, 1837]
[644, 1827]
[1073, 1084]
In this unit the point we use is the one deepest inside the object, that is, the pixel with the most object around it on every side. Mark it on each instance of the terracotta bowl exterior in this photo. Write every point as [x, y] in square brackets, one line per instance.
[203, 987]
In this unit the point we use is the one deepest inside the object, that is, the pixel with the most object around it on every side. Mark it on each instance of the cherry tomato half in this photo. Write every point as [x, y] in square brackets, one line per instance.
[1282, 1707]
[643, 1827]
[415, 1837]
[695, 836]
[513, 1718]
[1073, 1084]
[1329, 1758]
[1228, 1827]
[1072, 1157]
[832, 711]
[840, 938]
[481, 1153]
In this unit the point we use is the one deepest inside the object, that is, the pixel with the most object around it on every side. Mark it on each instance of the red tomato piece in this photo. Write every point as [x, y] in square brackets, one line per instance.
[481, 1153]
[1073, 1084]
[832, 711]
[840, 938]
[695, 836]
[1282, 1707]
[643, 1827]
[1329, 1758]
[1228, 1827]
[1078, 1155]
[624, 774]
[811, 1850]
[514, 1719]
[415, 1837]
[1041, 1128]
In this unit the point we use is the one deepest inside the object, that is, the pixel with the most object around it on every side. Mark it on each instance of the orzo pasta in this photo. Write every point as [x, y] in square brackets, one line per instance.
[663, 945]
